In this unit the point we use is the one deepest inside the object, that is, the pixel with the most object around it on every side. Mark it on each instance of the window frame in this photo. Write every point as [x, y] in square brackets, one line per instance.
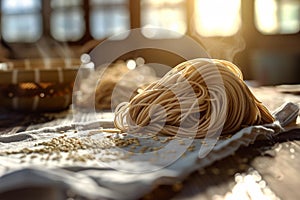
[134, 21]
[250, 33]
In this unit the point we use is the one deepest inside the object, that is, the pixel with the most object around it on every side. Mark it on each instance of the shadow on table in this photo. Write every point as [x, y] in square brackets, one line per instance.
[13, 122]
[219, 178]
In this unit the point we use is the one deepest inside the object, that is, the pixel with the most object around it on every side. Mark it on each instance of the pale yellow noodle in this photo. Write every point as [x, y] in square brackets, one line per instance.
[196, 98]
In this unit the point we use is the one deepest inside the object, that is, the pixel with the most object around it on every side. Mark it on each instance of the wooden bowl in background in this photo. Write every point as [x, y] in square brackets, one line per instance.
[38, 85]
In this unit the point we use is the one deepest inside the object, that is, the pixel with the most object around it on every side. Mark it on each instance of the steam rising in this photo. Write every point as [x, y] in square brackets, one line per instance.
[223, 47]
[45, 48]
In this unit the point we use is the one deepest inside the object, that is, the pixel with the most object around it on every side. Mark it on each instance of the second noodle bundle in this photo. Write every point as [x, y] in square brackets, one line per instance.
[196, 98]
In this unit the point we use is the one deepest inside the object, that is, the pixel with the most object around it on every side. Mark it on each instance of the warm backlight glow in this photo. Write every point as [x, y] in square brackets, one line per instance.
[165, 14]
[266, 16]
[217, 17]
[277, 17]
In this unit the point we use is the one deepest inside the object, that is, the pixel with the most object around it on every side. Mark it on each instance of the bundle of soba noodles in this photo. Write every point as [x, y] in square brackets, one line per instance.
[196, 98]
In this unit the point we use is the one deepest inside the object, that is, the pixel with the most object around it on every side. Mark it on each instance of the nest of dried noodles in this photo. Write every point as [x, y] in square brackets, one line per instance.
[197, 98]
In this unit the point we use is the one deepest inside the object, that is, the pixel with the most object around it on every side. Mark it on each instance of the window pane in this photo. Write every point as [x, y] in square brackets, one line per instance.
[277, 17]
[266, 16]
[20, 6]
[95, 2]
[164, 14]
[67, 25]
[21, 28]
[217, 17]
[290, 17]
[65, 3]
[109, 18]
[21, 20]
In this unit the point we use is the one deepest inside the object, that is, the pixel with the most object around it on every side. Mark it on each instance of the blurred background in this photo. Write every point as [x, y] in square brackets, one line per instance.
[260, 36]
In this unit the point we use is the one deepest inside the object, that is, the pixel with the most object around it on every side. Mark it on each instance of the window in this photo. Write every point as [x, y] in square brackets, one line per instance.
[21, 20]
[164, 14]
[217, 17]
[109, 17]
[67, 20]
[277, 16]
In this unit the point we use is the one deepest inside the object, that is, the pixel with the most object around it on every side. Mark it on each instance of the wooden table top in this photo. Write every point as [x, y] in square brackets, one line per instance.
[264, 170]
[267, 169]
